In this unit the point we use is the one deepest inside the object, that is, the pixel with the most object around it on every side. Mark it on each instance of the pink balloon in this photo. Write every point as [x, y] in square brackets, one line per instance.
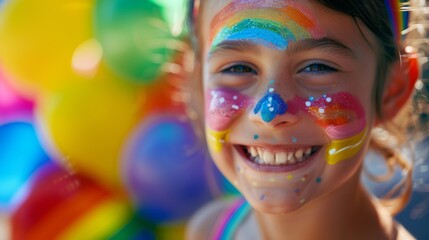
[13, 106]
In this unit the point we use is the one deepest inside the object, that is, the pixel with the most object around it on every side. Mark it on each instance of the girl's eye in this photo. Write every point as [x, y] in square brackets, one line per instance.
[238, 69]
[318, 68]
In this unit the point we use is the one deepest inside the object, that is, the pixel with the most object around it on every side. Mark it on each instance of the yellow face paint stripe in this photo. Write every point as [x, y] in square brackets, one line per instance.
[343, 149]
[216, 139]
[100, 223]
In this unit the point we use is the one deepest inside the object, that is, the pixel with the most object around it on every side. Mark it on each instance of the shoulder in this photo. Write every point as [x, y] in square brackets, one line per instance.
[402, 233]
[203, 221]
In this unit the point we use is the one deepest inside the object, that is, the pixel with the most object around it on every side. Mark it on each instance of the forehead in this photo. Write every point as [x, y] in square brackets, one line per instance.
[308, 14]
[287, 19]
[218, 12]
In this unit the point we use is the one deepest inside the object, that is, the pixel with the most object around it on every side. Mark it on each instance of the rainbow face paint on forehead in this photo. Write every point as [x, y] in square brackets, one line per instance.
[273, 24]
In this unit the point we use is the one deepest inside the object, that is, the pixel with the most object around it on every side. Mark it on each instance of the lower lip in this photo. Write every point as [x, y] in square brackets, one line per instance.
[276, 168]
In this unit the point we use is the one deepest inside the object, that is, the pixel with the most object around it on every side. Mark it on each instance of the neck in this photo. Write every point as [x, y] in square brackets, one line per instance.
[344, 213]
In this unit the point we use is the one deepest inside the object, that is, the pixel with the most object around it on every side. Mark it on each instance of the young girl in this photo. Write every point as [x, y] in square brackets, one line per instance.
[292, 90]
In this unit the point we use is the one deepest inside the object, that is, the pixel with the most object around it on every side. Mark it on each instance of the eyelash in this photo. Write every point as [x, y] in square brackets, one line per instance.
[238, 69]
[313, 68]
[317, 68]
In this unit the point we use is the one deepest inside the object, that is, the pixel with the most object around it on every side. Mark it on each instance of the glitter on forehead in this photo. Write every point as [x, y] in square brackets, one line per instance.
[263, 32]
[270, 23]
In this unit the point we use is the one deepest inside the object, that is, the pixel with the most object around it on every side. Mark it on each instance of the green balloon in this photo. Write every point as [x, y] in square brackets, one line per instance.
[136, 37]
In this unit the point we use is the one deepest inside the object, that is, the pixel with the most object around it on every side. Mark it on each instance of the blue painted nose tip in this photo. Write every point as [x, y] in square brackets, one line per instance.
[270, 106]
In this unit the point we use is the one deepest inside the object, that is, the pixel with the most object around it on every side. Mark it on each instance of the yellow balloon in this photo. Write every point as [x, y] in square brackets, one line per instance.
[171, 231]
[88, 124]
[38, 40]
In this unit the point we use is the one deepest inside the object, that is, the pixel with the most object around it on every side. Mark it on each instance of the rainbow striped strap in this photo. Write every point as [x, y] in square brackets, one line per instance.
[398, 17]
[231, 219]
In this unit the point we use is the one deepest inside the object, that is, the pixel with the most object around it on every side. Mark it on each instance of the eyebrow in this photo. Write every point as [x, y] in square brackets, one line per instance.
[233, 45]
[329, 45]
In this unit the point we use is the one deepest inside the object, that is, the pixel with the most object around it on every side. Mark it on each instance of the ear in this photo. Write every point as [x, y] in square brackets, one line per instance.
[399, 85]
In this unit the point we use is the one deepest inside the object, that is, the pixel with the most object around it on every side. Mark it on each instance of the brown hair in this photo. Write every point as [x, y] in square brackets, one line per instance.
[373, 13]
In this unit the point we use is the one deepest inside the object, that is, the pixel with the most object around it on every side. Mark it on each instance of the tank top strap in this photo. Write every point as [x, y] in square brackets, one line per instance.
[230, 219]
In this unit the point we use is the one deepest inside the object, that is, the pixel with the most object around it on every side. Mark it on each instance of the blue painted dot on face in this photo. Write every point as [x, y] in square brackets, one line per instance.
[294, 139]
[270, 106]
[319, 180]
[256, 136]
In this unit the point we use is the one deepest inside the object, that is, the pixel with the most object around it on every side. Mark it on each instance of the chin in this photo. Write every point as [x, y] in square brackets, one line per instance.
[277, 207]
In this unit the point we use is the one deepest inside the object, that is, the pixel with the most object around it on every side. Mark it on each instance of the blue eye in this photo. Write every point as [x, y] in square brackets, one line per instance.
[239, 69]
[318, 68]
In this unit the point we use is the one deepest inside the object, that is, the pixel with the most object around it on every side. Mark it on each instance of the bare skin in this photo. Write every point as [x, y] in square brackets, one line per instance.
[330, 202]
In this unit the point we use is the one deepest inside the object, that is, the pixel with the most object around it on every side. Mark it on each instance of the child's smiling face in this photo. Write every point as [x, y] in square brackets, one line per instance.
[288, 97]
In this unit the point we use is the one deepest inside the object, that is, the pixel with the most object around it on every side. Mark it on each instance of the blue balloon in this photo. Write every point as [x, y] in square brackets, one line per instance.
[20, 156]
[167, 170]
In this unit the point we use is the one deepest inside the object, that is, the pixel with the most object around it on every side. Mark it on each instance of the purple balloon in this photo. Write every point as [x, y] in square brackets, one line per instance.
[167, 170]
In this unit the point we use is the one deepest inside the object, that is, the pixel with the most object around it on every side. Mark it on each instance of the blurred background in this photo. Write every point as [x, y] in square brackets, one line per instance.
[96, 141]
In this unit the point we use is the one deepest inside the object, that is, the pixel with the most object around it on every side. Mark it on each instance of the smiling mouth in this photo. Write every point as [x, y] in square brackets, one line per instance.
[286, 158]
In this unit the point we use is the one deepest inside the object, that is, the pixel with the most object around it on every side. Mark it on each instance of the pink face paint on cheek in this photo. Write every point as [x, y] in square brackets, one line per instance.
[341, 113]
[222, 106]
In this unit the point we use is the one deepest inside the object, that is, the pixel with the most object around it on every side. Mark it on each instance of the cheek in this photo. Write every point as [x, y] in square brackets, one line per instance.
[342, 116]
[223, 106]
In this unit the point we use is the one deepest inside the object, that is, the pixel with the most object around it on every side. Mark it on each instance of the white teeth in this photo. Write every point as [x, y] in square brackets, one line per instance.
[253, 152]
[290, 158]
[298, 154]
[307, 152]
[267, 157]
[281, 158]
[260, 152]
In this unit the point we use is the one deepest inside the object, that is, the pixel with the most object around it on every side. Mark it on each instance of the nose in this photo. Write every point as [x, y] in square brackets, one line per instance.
[272, 111]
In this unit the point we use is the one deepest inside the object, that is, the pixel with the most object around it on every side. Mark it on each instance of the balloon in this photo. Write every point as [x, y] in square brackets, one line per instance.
[166, 169]
[38, 39]
[136, 229]
[88, 124]
[62, 205]
[135, 36]
[13, 106]
[20, 156]
[174, 13]
[170, 231]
